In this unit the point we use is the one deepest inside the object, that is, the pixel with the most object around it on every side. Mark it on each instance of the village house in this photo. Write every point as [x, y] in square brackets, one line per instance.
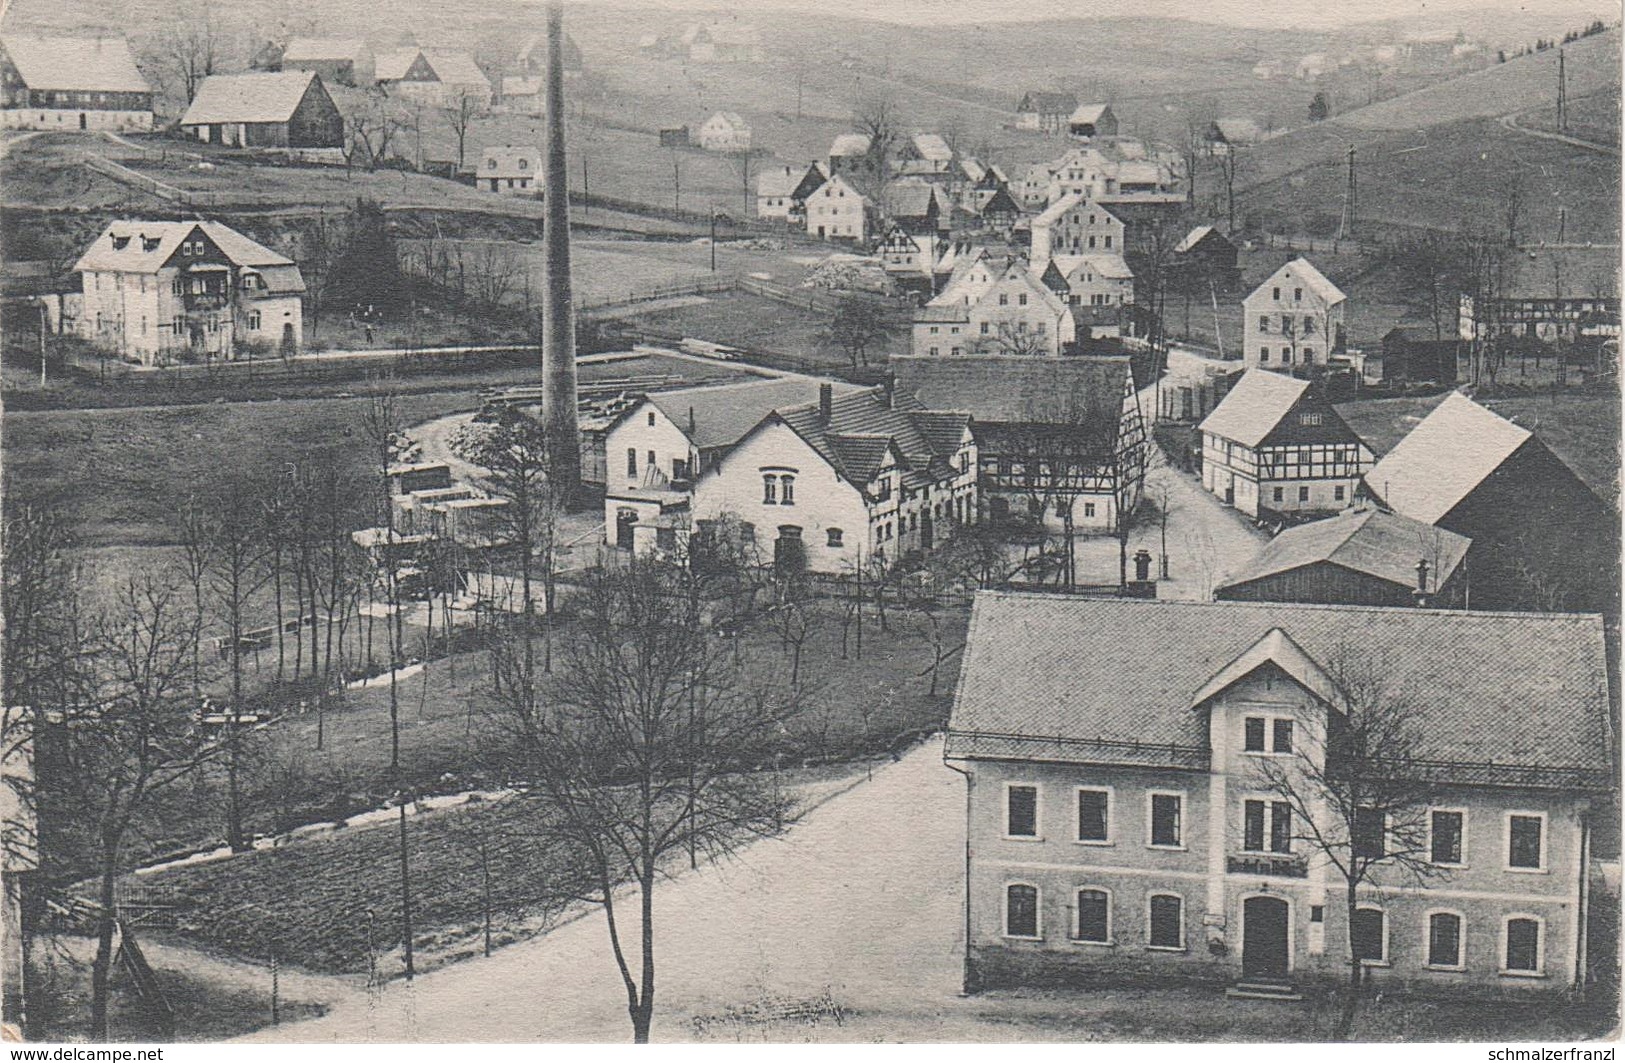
[923, 155]
[849, 154]
[724, 132]
[1206, 255]
[434, 77]
[510, 170]
[658, 447]
[1225, 135]
[1411, 353]
[994, 308]
[1060, 442]
[291, 109]
[1362, 556]
[1541, 538]
[1275, 448]
[1295, 318]
[999, 211]
[531, 61]
[1045, 112]
[525, 90]
[845, 481]
[337, 61]
[160, 291]
[912, 259]
[1549, 292]
[1131, 821]
[1074, 225]
[721, 42]
[1098, 287]
[775, 187]
[1092, 120]
[916, 206]
[71, 83]
[838, 211]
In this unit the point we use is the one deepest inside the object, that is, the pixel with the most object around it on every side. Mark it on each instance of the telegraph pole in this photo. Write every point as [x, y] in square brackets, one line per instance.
[1562, 92]
[1345, 225]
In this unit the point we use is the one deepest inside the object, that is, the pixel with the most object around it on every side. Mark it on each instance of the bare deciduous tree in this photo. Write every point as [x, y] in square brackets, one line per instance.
[460, 112]
[190, 43]
[642, 750]
[1356, 793]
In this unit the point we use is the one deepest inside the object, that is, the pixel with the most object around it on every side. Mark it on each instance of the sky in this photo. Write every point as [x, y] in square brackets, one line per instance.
[1296, 13]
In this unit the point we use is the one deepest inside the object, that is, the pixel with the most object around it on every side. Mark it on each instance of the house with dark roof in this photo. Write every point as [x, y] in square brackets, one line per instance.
[1542, 539]
[1045, 112]
[291, 109]
[1126, 822]
[71, 83]
[1061, 441]
[156, 291]
[1411, 353]
[1092, 120]
[924, 155]
[1363, 556]
[657, 447]
[844, 481]
[339, 61]
[1205, 254]
[916, 206]
[1277, 449]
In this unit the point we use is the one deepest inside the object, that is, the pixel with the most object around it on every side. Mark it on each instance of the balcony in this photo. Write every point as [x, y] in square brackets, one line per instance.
[1271, 865]
[204, 300]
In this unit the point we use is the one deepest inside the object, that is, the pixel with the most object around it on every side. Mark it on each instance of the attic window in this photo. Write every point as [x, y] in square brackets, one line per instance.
[490, 164]
[1309, 420]
[120, 242]
[524, 164]
[149, 243]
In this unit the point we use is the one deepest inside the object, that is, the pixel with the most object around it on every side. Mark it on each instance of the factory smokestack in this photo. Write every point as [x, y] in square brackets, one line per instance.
[559, 416]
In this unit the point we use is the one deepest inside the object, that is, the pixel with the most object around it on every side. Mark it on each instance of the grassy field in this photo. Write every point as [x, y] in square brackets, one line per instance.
[1582, 429]
[759, 324]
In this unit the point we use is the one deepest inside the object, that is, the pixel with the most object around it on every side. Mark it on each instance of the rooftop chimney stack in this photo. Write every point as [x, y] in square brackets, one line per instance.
[1421, 592]
[888, 391]
[826, 402]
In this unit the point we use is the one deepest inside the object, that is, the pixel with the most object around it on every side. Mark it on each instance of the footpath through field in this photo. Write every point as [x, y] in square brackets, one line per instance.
[861, 899]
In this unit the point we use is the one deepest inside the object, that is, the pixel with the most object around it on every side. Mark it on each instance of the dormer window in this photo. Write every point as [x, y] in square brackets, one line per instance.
[120, 242]
[150, 243]
[524, 164]
[490, 164]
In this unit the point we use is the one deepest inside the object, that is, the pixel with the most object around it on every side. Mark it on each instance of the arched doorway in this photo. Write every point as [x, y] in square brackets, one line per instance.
[1264, 938]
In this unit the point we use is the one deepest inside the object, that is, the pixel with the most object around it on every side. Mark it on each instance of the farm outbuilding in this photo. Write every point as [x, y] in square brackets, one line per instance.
[291, 109]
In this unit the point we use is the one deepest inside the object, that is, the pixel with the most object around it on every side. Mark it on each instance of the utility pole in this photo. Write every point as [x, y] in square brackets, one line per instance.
[1562, 223]
[1562, 93]
[1345, 225]
[406, 894]
[713, 239]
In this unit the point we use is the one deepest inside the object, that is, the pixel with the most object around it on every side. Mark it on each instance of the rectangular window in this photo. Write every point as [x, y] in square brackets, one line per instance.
[1263, 354]
[1523, 945]
[1369, 935]
[1444, 940]
[1088, 509]
[1280, 827]
[1021, 300]
[1297, 295]
[1263, 323]
[1303, 494]
[1339, 493]
[787, 490]
[1370, 834]
[770, 489]
[1165, 820]
[1525, 850]
[1094, 815]
[835, 537]
[1253, 732]
[1094, 917]
[254, 320]
[1445, 836]
[1282, 735]
[1021, 811]
[631, 461]
[1021, 911]
[1167, 919]
[1252, 831]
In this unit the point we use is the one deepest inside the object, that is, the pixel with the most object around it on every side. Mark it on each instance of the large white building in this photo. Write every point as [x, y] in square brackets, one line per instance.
[161, 291]
[724, 132]
[1295, 318]
[838, 211]
[1075, 225]
[834, 484]
[991, 307]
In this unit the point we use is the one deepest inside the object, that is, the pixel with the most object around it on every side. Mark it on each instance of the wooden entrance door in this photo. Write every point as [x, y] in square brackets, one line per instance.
[1264, 938]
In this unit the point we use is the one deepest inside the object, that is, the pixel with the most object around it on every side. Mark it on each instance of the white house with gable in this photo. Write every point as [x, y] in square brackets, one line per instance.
[1297, 317]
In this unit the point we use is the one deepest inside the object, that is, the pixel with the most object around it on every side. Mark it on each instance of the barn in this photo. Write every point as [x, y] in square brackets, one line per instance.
[291, 109]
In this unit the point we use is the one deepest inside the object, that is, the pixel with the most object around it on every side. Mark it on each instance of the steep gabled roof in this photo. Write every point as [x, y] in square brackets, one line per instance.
[1300, 271]
[163, 238]
[846, 144]
[1278, 649]
[722, 414]
[1526, 689]
[857, 420]
[1111, 267]
[1196, 236]
[302, 49]
[931, 147]
[75, 64]
[908, 197]
[778, 181]
[1048, 103]
[393, 65]
[1088, 114]
[1082, 391]
[258, 97]
[455, 67]
[1254, 406]
[731, 119]
[1444, 459]
[1374, 542]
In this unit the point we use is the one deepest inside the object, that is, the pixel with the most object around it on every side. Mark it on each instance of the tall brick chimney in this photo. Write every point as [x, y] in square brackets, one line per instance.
[559, 415]
[826, 402]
